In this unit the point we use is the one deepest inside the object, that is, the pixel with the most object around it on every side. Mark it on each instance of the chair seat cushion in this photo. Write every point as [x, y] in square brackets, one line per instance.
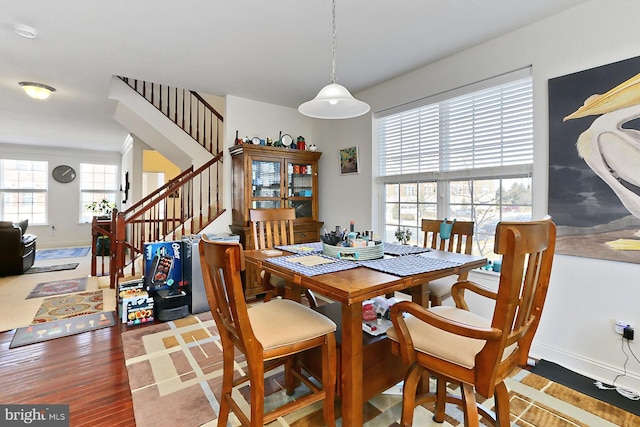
[281, 322]
[436, 342]
[442, 287]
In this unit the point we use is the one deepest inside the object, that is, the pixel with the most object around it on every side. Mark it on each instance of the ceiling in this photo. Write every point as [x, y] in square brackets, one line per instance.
[277, 52]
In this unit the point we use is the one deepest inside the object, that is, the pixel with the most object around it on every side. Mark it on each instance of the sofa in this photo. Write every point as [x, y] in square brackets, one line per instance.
[18, 248]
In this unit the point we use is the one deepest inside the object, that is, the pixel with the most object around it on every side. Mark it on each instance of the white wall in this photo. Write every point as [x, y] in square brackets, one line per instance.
[64, 199]
[586, 295]
[253, 118]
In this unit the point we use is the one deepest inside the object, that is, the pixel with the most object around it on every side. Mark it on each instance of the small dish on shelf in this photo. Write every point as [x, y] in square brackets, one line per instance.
[286, 140]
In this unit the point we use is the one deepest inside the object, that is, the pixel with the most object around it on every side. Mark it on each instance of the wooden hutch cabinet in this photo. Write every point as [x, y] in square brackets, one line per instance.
[271, 177]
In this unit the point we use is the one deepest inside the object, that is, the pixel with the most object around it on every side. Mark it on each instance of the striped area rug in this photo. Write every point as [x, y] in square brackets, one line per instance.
[181, 361]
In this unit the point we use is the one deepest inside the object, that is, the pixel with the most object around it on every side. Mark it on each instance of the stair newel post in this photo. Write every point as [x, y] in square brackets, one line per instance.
[116, 247]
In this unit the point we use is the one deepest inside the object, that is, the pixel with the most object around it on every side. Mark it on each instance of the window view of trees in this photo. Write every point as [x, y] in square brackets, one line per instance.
[486, 202]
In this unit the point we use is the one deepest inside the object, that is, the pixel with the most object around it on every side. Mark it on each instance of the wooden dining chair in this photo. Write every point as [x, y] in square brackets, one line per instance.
[269, 335]
[274, 227]
[460, 241]
[457, 346]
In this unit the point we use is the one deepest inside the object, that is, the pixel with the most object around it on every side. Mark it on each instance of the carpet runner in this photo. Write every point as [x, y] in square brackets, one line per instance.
[44, 254]
[33, 334]
[58, 287]
[51, 268]
[63, 307]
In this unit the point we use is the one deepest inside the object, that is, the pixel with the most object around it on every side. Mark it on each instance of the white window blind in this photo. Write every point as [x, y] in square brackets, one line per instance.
[489, 127]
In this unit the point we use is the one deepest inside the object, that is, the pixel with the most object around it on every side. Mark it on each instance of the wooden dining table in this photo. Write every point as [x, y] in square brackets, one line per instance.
[350, 288]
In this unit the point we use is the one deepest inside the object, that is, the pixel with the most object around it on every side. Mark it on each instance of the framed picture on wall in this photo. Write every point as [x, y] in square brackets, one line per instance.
[349, 161]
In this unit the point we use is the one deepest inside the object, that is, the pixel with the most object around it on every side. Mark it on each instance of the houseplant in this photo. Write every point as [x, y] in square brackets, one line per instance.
[102, 208]
[403, 235]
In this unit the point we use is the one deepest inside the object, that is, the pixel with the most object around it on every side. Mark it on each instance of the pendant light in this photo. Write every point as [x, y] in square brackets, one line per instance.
[334, 101]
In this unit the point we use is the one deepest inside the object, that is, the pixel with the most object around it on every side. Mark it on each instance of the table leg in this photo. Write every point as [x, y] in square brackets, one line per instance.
[420, 294]
[352, 365]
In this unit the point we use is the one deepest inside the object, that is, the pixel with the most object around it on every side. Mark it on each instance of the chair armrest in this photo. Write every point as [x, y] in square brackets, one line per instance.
[27, 239]
[429, 317]
[458, 288]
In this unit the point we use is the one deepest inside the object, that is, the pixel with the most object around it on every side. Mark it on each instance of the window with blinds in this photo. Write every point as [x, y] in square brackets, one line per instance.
[97, 183]
[490, 127]
[472, 148]
[23, 190]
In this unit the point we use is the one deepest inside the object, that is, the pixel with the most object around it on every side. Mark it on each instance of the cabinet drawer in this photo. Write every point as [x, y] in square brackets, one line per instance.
[306, 236]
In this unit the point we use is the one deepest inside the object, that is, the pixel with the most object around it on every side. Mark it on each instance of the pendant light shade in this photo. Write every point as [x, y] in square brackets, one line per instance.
[334, 101]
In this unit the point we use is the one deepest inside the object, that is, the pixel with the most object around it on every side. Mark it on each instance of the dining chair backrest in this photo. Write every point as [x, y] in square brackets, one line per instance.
[272, 227]
[527, 249]
[222, 264]
[460, 240]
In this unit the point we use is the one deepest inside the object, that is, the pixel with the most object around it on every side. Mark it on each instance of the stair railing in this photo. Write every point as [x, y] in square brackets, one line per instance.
[183, 206]
[186, 108]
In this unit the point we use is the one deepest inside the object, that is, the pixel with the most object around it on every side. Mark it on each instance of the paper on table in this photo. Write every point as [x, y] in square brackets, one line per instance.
[271, 252]
[310, 260]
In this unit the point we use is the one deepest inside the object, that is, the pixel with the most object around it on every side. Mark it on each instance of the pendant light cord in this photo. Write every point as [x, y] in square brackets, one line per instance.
[334, 76]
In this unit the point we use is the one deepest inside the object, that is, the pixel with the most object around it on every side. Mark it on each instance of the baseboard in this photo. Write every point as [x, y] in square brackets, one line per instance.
[588, 367]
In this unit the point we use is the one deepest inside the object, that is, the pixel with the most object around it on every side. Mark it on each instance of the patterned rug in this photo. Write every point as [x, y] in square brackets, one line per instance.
[33, 334]
[57, 287]
[50, 268]
[64, 307]
[182, 360]
[43, 254]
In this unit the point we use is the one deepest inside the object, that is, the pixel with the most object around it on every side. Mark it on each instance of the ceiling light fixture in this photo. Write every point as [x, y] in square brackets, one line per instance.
[25, 31]
[37, 90]
[334, 101]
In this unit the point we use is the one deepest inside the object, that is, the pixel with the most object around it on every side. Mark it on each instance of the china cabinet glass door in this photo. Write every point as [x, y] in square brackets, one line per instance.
[266, 189]
[300, 188]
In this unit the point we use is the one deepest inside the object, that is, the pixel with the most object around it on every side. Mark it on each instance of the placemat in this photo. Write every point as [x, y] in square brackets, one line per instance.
[335, 265]
[398, 249]
[302, 248]
[408, 265]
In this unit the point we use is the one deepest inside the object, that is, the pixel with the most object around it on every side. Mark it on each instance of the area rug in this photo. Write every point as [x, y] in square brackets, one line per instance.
[50, 268]
[43, 254]
[57, 287]
[64, 307]
[62, 328]
[181, 361]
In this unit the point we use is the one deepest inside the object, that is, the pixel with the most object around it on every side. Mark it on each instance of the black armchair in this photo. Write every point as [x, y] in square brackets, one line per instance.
[18, 248]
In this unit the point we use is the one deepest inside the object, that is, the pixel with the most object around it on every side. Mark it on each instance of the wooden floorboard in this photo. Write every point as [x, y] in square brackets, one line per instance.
[85, 371]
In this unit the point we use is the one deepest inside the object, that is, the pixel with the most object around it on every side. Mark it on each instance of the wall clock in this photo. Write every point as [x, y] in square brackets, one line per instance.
[63, 174]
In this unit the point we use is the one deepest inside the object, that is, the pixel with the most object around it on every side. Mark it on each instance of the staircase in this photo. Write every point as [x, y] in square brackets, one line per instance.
[184, 205]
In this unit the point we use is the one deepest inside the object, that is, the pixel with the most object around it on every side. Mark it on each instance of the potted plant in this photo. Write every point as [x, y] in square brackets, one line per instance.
[403, 235]
[102, 208]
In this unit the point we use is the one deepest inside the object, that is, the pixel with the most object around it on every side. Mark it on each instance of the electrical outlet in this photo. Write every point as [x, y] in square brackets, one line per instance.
[620, 325]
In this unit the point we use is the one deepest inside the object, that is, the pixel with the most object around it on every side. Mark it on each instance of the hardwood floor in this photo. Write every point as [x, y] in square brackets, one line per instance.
[85, 371]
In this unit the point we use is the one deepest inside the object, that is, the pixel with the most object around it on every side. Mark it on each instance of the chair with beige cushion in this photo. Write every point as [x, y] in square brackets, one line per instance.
[274, 227]
[457, 346]
[269, 335]
[460, 241]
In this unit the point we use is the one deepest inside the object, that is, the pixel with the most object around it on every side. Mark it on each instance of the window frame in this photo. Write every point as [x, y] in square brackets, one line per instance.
[109, 190]
[520, 168]
[42, 189]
